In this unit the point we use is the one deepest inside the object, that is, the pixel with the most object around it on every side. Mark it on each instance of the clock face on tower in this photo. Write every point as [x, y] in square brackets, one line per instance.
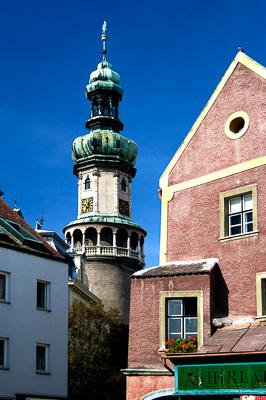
[124, 207]
[87, 205]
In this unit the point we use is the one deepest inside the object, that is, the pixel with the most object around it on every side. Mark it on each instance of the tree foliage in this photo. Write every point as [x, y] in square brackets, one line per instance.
[97, 352]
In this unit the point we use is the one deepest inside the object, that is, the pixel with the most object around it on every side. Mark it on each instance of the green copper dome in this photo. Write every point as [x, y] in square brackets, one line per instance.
[104, 78]
[104, 143]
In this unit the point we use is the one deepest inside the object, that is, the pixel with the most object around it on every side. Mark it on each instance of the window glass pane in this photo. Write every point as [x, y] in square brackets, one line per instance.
[247, 202]
[194, 335]
[234, 205]
[2, 286]
[174, 335]
[40, 358]
[174, 325]
[175, 307]
[2, 352]
[248, 217]
[87, 184]
[235, 230]
[190, 305]
[41, 294]
[248, 227]
[235, 219]
[191, 325]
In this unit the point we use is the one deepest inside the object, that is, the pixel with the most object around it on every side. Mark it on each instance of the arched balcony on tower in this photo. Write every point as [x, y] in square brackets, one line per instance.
[106, 241]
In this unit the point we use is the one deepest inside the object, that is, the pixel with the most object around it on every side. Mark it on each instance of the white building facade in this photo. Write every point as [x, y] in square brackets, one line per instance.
[33, 313]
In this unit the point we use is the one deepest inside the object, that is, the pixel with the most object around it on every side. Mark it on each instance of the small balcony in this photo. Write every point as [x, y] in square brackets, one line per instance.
[106, 241]
[92, 251]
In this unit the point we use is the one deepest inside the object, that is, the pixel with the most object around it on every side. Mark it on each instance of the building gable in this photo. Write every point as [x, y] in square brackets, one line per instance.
[207, 148]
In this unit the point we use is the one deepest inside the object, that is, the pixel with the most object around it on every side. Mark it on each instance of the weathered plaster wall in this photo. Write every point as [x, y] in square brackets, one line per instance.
[144, 335]
[25, 326]
[210, 149]
[195, 212]
[105, 190]
[110, 281]
[140, 386]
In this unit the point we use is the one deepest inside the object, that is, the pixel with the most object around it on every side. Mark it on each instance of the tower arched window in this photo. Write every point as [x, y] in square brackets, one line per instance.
[94, 110]
[87, 183]
[123, 185]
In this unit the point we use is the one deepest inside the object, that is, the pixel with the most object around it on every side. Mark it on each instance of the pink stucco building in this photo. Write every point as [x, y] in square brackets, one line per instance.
[211, 281]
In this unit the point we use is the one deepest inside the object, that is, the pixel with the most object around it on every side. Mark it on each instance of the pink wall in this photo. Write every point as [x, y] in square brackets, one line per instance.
[210, 149]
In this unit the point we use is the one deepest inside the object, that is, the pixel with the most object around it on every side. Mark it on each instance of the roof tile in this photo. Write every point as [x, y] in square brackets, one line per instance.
[236, 339]
[7, 239]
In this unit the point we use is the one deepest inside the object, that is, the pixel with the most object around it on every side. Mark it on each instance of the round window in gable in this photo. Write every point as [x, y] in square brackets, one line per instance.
[237, 125]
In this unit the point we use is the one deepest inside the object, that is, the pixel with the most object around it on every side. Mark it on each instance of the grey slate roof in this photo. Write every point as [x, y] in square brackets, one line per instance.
[237, 339]
[178, 268]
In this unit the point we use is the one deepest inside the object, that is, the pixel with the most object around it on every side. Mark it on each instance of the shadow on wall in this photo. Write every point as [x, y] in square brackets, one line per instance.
[220, 295]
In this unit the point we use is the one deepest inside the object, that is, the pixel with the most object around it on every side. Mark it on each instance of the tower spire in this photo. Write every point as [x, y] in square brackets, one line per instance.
[103, 39]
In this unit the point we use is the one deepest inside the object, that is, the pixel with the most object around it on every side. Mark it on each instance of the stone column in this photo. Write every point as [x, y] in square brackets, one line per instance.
[128, 245]
[98, 242]
[114, 238]
[83, 242]
[72, 243]
[114, 243]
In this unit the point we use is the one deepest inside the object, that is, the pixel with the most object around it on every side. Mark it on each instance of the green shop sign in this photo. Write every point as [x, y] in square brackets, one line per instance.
[221, 378]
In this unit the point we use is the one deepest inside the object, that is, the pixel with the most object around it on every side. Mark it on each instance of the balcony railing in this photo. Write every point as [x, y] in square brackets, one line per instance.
[91, 251]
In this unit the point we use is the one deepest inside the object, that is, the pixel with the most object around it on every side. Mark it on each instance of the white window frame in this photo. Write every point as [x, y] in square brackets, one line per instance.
[6, 299]
[224, 201]
[181, 317]
[46, 370]
[6, 352]
[47, 305]
[243, 225]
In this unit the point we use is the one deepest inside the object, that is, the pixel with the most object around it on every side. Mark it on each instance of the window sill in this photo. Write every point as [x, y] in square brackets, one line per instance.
[261, 318]
[42, 373]
[5, 301]
[4, 369]
[43, 309]
[240, 236]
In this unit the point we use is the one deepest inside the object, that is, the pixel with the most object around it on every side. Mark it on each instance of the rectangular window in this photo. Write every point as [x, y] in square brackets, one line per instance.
[240, 215]
[42, 358]
[181, 315]
[43, 295]
[3, 353]
[238, 212]
[181, 318]
[4, 283]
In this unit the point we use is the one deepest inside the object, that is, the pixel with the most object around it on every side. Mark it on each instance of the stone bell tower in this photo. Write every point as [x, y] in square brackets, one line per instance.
[107, 244]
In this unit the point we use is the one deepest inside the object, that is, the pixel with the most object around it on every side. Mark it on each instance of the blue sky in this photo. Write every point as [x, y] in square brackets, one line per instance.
[170, 56]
